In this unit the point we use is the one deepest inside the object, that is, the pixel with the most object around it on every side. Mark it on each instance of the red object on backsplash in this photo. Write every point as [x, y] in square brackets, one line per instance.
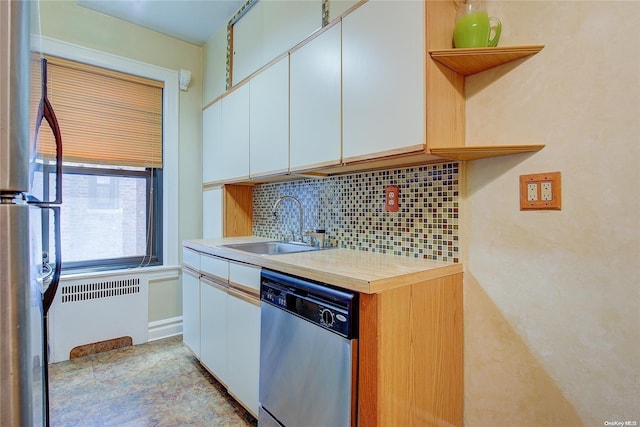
[392, 198]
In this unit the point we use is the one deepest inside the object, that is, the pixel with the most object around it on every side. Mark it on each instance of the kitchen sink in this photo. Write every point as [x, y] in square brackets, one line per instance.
[271, 248]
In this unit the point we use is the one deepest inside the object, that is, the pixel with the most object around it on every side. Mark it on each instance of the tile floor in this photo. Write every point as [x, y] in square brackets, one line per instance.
[155, 384]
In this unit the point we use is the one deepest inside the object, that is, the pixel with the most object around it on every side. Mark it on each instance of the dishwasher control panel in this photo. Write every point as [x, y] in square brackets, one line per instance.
[328, 307]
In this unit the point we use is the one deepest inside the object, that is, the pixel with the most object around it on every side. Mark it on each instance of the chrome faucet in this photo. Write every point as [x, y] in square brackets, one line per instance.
[275, 215]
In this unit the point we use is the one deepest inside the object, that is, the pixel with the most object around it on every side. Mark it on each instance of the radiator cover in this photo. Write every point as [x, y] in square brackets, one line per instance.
[86, 311]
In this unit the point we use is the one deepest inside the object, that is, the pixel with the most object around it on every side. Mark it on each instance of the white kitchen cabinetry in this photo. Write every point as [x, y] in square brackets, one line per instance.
[212, 143]
[245, 277]
[247, 43]
[315, 102]
[234, 153]
[243, 350]
[383, 75]
[212, 213]
[213, 315]
[221, 321]
[191, 310]
[243, 339]
[269, 120]
[213, 328]
[191, 259]
[269, 29]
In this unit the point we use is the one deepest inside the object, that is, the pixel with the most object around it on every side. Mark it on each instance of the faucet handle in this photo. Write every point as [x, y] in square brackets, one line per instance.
[319, 235]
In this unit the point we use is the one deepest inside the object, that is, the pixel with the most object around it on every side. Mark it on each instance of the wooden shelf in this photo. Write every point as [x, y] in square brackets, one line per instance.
[474, 60]
[484, 151]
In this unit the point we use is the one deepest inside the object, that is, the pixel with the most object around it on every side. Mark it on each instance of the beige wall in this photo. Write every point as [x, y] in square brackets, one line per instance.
[64, 20]
[552, 334]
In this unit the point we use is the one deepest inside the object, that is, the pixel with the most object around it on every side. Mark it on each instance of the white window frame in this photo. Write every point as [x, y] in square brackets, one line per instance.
[170, 125]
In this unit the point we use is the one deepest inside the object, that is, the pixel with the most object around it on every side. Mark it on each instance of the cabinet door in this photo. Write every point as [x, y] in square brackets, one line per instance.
[191, 258]
[269, 120]
[213, 328]
[191, 311]
[243, 350]
[235, 134]
[244, 276]
[315, 102]
[212, 213]
[247, 43]
[211, 143]
[383, 55]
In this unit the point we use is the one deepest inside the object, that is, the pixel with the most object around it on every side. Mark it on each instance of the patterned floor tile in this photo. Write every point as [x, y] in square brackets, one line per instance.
[155, 384]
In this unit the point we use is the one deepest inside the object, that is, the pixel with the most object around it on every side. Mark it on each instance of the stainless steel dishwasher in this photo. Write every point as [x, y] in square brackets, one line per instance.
[308, 353]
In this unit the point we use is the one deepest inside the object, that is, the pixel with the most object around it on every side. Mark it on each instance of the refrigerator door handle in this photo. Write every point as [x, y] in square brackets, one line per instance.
[50, 292]
[47, 273]
[45, 110]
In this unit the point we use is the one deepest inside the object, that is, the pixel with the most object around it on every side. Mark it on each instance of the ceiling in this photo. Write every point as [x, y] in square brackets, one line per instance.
[194, 21]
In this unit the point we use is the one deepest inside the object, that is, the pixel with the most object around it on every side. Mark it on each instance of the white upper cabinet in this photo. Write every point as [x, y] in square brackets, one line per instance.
[315, 102]
[212, 213]
[383, 55]
[269, 29]
[235, 135]
[269, 120]
[211, 143]
[287, 23]
[247, 44]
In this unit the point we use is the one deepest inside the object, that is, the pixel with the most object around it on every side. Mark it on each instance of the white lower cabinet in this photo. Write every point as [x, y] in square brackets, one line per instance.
[243, 329]
[221, 322]
[213, 328]
[191, 310]
[243, 350]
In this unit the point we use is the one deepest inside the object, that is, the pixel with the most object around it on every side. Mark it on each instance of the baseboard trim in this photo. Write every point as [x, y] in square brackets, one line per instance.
[165, 328]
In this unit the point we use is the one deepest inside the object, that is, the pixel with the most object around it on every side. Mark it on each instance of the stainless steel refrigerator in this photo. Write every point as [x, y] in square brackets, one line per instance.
[30, 260]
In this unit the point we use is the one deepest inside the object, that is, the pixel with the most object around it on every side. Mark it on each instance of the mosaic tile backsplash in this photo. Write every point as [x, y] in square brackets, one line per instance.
[351, 210]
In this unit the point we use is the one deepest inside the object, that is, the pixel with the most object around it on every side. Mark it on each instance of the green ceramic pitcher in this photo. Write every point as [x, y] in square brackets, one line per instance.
[474, 27]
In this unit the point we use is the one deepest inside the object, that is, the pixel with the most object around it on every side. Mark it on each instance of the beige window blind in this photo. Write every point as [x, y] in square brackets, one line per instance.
[106, 117]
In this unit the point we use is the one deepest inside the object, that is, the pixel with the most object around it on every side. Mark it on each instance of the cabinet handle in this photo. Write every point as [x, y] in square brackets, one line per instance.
[214, 283]
[190, 271]
[252, 299]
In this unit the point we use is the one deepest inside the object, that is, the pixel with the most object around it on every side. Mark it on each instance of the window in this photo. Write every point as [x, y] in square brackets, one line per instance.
[111, 125]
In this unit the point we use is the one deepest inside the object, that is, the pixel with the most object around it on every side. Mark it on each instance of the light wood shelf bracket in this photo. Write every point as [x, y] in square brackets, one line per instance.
[474, 60]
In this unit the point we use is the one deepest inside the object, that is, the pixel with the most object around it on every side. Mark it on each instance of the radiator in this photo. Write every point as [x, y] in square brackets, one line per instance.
[102, 308]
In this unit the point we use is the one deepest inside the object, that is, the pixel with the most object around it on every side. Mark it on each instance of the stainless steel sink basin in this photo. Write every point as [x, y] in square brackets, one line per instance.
[271, 248]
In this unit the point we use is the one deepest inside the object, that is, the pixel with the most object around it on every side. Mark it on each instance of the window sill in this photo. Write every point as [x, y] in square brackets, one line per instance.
[160, 272]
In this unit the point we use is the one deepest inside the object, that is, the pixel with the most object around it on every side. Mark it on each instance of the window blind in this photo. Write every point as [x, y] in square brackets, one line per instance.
[106, 117]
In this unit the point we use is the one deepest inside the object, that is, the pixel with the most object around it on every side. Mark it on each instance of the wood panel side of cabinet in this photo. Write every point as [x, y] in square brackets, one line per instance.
[445, 96]
[410, 362]
[238, 210]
